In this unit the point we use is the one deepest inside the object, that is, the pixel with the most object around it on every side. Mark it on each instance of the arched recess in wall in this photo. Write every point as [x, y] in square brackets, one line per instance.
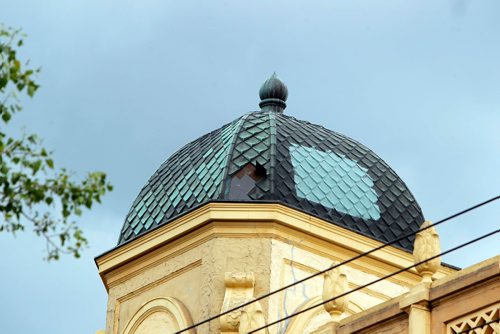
[160, 315]
[308, 321]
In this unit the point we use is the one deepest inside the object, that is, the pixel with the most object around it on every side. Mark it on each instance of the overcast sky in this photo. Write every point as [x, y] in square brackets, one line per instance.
[126, 83]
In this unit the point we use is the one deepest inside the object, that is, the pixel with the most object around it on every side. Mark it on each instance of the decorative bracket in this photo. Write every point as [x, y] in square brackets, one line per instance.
[252, 317]
[239, 289]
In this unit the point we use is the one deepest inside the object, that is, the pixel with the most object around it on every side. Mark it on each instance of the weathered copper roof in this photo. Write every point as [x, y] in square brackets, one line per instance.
[271, 157]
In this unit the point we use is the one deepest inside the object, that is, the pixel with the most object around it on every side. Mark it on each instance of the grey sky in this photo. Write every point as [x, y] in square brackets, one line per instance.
[126, 83]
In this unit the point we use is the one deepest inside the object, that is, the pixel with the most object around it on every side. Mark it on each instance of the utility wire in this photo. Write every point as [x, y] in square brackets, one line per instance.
[376, 281]
[339, 264]
[480, 326]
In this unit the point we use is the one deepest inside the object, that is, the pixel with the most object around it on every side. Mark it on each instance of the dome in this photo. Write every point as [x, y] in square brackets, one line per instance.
[267, 156]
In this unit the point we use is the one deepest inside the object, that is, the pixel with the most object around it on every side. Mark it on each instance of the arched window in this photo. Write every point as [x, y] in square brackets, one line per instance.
[161, 315]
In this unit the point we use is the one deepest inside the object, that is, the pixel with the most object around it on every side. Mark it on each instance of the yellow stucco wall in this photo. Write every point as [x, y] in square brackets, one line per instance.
[188, 259]
[195, 277]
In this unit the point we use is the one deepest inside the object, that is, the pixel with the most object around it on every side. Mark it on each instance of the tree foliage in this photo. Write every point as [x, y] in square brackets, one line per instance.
[33, 192]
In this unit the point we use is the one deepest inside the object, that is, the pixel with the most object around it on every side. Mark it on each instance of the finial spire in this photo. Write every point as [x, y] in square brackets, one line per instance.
[273, 94]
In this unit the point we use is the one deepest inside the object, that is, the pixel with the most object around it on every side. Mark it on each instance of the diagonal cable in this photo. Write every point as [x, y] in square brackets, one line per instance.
[377, 280]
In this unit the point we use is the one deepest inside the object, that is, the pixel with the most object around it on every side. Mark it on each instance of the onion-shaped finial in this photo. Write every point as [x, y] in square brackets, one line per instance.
[273, 94]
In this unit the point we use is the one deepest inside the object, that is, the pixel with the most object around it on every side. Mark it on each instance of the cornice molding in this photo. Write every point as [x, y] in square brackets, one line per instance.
[248, 220]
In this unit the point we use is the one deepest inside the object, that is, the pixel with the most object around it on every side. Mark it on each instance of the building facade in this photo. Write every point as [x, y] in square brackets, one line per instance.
[266, 201]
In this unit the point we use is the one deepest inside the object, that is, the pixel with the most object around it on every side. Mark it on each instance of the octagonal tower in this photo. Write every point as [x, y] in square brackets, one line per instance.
[257, 204]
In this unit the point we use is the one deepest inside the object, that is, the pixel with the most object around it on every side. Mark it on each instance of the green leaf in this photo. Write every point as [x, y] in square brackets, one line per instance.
[32, 87]
[50, 163]
[36, 166]
[62, 238]
[6, 116]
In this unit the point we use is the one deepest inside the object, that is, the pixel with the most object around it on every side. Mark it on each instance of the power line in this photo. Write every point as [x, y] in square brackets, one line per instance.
[479, 326]
[339, 264]
[376, 281]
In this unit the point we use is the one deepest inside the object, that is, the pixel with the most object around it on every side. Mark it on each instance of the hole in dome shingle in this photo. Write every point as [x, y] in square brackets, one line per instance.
[243, 181]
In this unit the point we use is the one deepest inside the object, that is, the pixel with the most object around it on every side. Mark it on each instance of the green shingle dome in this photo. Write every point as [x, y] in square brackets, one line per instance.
[267, 156]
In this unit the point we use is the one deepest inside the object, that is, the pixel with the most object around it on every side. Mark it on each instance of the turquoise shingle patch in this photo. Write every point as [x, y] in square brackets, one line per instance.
[193, 182]
[204, 180]
[334, 181]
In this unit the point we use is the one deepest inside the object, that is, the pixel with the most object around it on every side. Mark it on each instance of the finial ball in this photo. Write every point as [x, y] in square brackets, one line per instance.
[273, 94]
[273, 88]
